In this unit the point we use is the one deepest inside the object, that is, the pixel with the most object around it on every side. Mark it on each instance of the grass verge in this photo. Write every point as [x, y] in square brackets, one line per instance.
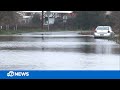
[19, 31]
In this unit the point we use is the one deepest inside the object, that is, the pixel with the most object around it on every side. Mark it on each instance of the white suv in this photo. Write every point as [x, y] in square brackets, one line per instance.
[103, 31]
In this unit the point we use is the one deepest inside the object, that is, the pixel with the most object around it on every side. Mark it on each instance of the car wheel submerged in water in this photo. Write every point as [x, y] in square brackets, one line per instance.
[103, 32]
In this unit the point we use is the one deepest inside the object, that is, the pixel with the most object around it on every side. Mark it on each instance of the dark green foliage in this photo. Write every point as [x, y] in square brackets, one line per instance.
[8, 17]
[89, 19]
[36, 19]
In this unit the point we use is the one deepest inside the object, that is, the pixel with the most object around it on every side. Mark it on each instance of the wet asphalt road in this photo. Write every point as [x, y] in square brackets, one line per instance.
[71, 53]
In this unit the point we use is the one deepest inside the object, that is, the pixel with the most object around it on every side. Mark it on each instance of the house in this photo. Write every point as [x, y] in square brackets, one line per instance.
[53, 15]
[25, 16]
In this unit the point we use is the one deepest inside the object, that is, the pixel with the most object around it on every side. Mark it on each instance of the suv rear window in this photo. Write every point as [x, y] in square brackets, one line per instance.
[102, 28]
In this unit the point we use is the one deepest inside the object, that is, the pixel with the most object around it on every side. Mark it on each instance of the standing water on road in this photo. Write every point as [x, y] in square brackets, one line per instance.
[35, 53]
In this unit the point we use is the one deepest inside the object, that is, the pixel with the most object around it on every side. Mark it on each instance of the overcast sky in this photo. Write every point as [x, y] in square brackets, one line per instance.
[51, 11]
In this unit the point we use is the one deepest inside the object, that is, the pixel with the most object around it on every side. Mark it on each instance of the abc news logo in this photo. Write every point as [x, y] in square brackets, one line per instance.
[12, 73]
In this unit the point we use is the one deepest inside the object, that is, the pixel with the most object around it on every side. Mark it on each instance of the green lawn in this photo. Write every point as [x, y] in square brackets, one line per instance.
[9, 32]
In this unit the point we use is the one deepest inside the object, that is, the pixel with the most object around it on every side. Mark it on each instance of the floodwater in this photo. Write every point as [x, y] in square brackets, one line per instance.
[36, 53]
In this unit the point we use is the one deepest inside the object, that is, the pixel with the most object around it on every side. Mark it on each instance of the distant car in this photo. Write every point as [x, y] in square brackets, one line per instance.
[103, 31]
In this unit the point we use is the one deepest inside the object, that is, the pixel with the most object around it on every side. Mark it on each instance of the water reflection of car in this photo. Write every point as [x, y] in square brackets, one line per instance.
[103, 31]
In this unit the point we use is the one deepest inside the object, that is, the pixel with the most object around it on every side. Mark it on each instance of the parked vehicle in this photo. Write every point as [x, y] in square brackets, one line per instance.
[103, 31]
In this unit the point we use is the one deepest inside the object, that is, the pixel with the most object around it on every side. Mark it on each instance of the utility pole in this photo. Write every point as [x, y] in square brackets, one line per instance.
[64, 21]
[48, 14]
[42, 19]
[48, 23]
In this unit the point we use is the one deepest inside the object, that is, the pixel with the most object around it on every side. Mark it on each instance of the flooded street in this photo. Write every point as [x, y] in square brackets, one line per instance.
[36, 53]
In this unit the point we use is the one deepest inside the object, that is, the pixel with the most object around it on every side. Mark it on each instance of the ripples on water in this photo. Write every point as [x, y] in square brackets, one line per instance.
[58, 53]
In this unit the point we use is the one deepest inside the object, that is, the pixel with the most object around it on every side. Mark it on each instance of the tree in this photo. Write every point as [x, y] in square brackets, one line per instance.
[116, 20]
[36, 19]
[115, 16]
[8, 17]
[89, 19]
